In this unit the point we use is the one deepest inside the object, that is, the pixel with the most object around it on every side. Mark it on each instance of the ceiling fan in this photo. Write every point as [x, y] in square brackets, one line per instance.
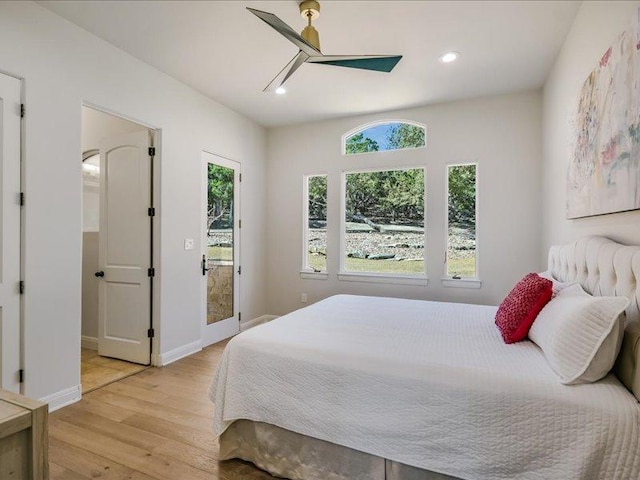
[309, 44]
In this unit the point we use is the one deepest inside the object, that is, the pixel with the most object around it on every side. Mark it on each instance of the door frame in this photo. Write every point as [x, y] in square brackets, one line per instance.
[21, 233]
[155, 187]
[230, 326]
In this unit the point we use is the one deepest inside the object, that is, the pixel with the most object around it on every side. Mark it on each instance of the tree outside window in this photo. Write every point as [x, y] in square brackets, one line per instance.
[385, 136]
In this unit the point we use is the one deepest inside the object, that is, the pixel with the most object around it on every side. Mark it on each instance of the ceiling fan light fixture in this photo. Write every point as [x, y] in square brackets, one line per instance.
[310, 34]
[309, 47]
[449, 57]
[310, 10]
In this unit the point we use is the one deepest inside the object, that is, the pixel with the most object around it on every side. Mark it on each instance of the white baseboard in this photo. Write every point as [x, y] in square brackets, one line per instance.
[89, 342]
[171, 356]
[63, 398]
[162, 359]
[256, 321]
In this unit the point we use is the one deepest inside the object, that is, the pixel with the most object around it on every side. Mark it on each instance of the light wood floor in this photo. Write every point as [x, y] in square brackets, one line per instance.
[97, 371]
[152, 425]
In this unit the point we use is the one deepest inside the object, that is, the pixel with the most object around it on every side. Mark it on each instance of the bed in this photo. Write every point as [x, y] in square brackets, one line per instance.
[378, 388]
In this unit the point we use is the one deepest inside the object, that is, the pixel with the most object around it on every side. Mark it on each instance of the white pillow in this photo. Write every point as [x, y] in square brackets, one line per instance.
[580, 335]
[557, 285]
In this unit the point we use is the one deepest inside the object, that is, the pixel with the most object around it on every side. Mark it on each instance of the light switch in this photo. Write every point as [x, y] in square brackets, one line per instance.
[188, 243]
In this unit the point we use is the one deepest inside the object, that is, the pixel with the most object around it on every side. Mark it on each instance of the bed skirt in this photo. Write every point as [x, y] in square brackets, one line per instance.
[297, 457]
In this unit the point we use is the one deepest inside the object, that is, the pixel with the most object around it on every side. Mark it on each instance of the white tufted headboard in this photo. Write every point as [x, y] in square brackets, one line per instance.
[607, 268]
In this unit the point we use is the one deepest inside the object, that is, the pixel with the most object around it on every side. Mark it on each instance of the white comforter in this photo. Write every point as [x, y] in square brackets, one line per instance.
[427, 384]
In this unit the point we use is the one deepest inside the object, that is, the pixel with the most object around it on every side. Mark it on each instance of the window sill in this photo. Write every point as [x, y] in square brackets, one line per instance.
[381, 278]
[311, 275]
[461, 282]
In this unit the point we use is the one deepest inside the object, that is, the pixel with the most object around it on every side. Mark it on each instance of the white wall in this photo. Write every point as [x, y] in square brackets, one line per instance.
[594, 30]
[90, 284]
[502, 134]
[90, 204]
[97, 125]
[63, 66]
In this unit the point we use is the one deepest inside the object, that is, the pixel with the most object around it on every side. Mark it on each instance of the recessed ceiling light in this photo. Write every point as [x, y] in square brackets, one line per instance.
[281, 90]
[449, 57]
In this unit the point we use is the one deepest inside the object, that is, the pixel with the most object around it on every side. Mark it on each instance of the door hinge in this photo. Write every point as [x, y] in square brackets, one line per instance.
[152, 212]
[22, 110]
[21, 286]
[152, 151]
[151, 272]
[239, 316]
[239, 223]
[22, 199]
[239, 269]
[21, 375]
[151, 333]
[240, 177]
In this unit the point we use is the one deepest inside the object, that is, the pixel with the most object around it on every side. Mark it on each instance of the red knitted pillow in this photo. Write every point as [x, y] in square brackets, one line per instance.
[521, 307]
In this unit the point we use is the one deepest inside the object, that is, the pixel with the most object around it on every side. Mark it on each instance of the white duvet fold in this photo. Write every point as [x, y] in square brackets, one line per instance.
[427, 384]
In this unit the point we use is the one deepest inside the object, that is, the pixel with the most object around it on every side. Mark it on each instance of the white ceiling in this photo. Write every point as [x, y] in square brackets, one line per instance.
[228, 54]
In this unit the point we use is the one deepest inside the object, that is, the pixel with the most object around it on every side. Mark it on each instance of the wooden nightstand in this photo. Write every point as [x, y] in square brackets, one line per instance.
[24, 439]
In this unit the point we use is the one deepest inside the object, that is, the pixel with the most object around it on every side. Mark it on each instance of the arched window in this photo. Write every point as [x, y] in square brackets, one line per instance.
[385, 135]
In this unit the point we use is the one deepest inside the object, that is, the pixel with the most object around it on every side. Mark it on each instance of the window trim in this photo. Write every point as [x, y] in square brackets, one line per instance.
[376, 123]
[312, 275]
[372, 277]
[306, 272]
[448, 280]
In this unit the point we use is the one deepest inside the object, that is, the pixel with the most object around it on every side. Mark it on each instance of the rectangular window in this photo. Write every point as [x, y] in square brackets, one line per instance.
[315, 235]
[384, 230]
[462, 194]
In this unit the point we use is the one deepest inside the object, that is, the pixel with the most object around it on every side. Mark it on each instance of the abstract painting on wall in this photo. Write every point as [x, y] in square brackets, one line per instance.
[604, 168]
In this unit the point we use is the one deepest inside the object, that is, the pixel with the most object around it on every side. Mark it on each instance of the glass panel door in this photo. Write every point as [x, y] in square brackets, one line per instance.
[220, 265]
[220, 217]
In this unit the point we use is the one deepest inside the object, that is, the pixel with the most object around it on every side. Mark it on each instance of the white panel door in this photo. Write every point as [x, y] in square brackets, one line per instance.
[10, 233]
[220, 261]
[124, 252]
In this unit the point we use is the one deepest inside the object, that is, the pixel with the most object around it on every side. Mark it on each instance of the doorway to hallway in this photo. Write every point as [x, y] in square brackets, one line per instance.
[117, 260]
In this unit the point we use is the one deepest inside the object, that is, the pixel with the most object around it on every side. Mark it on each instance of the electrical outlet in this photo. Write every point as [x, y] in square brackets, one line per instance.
[303, 298]
[188, 243]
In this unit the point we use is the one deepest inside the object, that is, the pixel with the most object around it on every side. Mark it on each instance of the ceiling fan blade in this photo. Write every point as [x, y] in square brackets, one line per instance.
[286, 31]
[380, 63]
[287, 71]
